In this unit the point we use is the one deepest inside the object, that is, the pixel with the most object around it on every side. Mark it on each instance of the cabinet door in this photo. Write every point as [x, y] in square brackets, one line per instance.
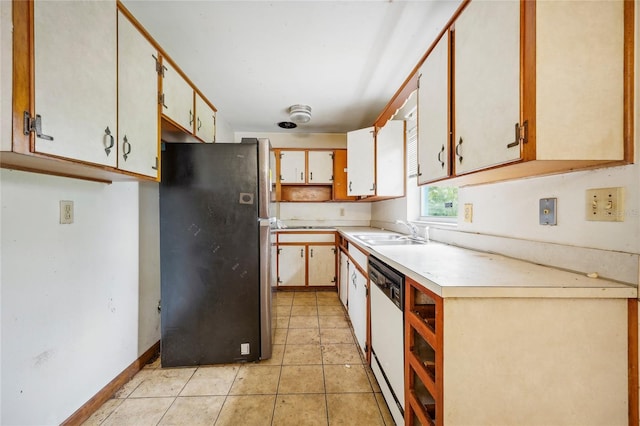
[390, 159]
[205, 121]
[137, 101]
[178, 98]
[344, 278]
[322, 265]
[487, 84]
[360, 162]
[358, 305]
[291, 265]
[292, 167]
[433, 115]
[75, 79]
[320, 167]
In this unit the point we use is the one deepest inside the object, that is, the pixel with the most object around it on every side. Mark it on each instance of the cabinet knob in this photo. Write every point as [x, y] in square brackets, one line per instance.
[440, 160]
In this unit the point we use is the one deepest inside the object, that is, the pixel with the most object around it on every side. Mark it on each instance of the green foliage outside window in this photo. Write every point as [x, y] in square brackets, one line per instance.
[439, 201]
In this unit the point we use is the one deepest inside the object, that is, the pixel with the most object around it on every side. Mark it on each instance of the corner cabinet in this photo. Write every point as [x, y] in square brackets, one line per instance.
[137, 101]
[506, 92]
[74, 48]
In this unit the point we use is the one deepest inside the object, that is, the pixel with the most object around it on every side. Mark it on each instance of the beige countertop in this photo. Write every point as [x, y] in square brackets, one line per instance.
[451, 271]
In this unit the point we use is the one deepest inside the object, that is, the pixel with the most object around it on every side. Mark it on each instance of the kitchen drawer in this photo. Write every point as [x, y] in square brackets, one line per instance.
[358, 256]
[312, 237]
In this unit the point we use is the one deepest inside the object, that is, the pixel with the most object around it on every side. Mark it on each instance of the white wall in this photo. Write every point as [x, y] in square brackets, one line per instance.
[325, 214]
[224, 131]
[149, 273]
[69, 293]
[299, 140]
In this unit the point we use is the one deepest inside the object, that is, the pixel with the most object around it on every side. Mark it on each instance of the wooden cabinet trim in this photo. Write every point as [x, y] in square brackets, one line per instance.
[634, 398]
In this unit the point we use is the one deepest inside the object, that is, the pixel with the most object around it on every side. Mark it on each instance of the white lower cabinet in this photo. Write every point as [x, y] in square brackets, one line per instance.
[322, 265]
[344, 278]
[358, 305]
[306, 259]
[291, 266]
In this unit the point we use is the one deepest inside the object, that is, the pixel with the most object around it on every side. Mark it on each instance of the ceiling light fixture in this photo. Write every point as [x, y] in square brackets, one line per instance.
[300, 113]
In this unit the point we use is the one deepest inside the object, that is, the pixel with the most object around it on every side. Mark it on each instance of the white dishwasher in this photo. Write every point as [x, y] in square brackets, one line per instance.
[387, 334]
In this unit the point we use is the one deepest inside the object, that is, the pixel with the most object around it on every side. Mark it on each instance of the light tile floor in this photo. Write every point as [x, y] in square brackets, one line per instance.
[317, 376]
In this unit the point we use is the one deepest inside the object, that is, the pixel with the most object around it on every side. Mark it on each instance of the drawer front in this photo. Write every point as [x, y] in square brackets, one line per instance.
[358, 256]
[284, 237]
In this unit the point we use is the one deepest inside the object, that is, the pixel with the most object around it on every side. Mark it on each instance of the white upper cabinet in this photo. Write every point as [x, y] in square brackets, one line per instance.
[75, 80]
[205, 120]
[580, 106]
[292, 167]
[390, 159]
[487, 83]
[361, 162]
[178, 98]
[137, 101]
[320, 167]
[433, 114]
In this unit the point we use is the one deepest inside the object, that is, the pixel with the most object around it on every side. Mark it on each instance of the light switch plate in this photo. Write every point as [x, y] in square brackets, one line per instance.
[548, 208]
[605, 204]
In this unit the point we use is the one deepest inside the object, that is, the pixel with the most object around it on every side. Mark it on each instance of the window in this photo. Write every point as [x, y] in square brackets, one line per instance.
[438, 202]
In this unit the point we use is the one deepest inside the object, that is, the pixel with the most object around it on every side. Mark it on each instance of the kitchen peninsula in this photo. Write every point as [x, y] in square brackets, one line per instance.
[528, 343]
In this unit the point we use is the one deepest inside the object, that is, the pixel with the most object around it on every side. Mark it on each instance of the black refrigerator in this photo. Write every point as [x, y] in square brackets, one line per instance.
[215, 246]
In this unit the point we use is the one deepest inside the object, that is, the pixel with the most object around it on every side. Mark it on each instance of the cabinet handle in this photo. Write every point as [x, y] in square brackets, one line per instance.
[310, 175]
[419, 172]
[302, 176]
[126, 148]
[190, 118]
[458, 150]
[311, 253]
[350, 186]
[440, 160]
[516, 142]
[156, 166]
[108, 141]
[373, 187]
[199, 123]
[301, 252]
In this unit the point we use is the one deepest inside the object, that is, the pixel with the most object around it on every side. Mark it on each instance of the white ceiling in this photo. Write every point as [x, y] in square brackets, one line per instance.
[253, 59]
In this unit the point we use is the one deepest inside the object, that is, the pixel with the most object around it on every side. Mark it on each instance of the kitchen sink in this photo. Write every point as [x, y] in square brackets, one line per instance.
[388, 240]
[381, 237]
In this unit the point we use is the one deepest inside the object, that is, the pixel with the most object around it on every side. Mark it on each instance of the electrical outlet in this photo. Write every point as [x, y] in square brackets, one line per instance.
[548, 211]
[468, 213]
[605, 204]
[66, 211]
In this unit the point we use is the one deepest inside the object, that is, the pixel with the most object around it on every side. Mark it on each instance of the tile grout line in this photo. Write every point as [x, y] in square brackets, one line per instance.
[176, 397]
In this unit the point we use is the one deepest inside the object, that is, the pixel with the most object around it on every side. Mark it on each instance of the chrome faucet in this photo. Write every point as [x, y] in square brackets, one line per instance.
[411, 226]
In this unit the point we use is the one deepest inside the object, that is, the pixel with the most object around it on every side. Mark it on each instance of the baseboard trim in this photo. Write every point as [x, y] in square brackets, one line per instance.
[92, 405]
